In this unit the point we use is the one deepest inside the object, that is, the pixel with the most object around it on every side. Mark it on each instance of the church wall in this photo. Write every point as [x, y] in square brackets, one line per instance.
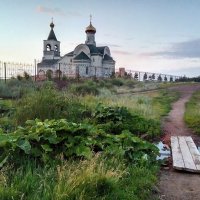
[96, 60]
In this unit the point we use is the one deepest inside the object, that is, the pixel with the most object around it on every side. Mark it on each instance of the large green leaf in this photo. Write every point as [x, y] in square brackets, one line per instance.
[84, 151]
[47, 148]
[24, 145]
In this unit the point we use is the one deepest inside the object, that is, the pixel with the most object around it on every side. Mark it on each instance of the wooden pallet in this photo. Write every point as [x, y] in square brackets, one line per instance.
[185, 154]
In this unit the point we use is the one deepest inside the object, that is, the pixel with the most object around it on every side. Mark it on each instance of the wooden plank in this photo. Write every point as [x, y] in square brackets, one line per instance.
[178, 162]
[187, 157]
[194, 152]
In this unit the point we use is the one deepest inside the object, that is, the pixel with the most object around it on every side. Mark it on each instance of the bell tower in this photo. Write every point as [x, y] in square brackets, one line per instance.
[51, 47]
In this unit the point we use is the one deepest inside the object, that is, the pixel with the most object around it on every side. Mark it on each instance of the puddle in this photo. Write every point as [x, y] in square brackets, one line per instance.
[164, 151]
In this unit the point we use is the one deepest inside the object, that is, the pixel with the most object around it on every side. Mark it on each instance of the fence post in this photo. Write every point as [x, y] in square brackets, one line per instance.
[59, 71]
[35, 69]
[5, 71]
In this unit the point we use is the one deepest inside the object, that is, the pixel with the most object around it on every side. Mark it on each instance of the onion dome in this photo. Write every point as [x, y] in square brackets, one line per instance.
[52, 25]
[90, 29]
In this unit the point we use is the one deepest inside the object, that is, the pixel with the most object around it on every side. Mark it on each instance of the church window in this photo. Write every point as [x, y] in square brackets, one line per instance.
[86, 70]
[56, 48]
[48, 47]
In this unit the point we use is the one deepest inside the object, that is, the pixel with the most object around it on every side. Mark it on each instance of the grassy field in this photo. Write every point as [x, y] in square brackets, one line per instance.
[91, 146]
[192, 113]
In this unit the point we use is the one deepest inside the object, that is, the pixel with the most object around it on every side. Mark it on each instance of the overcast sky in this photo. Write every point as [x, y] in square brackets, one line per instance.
[148, 35]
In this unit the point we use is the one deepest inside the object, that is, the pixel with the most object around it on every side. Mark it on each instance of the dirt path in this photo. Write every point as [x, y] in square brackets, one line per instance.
[179, 185]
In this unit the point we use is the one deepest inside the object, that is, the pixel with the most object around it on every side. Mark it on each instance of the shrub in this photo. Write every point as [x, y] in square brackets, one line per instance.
[116, 119]
[84, 89]
[116, 82]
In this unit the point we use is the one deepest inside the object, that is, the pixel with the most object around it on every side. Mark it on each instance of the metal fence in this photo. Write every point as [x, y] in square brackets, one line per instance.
[10, 70]
[151, 76]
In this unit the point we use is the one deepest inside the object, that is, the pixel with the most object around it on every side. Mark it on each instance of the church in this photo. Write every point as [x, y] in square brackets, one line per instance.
[86, 60]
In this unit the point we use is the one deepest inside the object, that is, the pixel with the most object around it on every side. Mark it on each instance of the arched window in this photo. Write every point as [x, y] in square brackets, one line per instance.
[56, 47]
[48, 47]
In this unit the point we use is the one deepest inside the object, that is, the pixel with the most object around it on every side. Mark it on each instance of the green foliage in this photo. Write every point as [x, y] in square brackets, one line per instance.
[192, 113]
[6, 111]
[117, 119]
[162, 103]
[47, 103]
[85, 88]
[117, 82]
[15, 88]
[98, 178]
[26, 76]
[48, 139]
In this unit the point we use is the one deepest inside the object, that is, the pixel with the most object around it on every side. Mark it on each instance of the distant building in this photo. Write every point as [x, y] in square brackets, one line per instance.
[87, 60]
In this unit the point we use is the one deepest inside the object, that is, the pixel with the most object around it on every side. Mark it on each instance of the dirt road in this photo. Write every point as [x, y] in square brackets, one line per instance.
[179, 185]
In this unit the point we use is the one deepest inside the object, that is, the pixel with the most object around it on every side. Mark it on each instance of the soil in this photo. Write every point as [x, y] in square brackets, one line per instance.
[174, 184]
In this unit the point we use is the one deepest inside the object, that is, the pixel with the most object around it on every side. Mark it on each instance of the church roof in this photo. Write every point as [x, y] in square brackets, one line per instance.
[52, 35]
[82, 56]
[93, 49]
[107, 58]
[48, 62]
[70, 53]
[101, 49]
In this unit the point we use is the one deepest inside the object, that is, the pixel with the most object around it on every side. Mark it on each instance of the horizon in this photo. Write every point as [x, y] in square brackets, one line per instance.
[161, 37]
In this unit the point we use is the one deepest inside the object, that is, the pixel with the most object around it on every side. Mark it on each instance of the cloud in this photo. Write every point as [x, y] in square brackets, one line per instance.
[109, 45]
[52, 11]
[188, 71]
[122, 52]
[56, 11]
[186, 49]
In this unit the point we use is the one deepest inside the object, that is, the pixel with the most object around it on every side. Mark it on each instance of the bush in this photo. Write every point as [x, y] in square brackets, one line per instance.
[117, 119]
[15, 88]
[117, 82]
[47, 103]
[85, 88]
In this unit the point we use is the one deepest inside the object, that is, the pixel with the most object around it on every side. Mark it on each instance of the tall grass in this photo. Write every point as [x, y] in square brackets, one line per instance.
[47, 103]
[97, 178]
[15, 88]
[192, 113]
[150, 105]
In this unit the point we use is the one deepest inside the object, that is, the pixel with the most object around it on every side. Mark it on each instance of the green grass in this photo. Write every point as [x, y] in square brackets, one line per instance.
[97, 178]
[83, 179]
[192, 113]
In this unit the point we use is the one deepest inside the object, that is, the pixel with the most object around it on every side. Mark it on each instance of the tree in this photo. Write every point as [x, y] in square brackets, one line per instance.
[26, 76]
[171, 79]
[150, 77]
[145, 76]
[159, 78]
[165, 78]
[136, 76]
[153, 77]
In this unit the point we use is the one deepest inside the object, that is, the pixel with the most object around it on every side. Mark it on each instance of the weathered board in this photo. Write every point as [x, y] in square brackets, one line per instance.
[185, 154]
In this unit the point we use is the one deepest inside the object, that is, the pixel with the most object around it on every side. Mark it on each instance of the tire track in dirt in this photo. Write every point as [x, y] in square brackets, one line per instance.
[173, 184]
